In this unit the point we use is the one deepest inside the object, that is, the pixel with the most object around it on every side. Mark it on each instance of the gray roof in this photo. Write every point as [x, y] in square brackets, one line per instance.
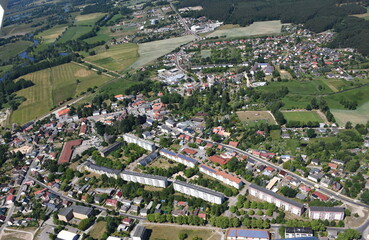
[111, 147]
[201, 189]
[81, 209]
[327, 209]
[65, 211]
[140, 231]
[101, 168]
[299, 230]
[144, 175]
[282, 198]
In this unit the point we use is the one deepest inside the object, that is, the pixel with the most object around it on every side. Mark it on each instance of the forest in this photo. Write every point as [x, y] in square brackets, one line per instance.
[316, 15]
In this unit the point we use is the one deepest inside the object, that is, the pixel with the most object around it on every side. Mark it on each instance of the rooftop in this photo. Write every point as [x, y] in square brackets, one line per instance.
[198, 188]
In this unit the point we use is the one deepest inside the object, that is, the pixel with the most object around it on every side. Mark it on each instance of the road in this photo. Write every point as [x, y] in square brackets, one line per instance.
[183, 22]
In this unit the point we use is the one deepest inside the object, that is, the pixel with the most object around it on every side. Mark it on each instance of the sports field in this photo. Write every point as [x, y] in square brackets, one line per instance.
[253, 117]
[88, 19]
[172, 232]
[117, 57]
[13, 49]
[50, 35]
[303, 116]
[74, 32]
[255, 29]
[52, 86]
[150, 51]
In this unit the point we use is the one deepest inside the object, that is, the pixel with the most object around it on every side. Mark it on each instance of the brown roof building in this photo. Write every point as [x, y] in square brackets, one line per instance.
[67, 151]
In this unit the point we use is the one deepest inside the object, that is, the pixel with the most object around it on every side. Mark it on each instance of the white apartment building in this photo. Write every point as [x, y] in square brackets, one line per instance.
[129, 138]
[146, 179]
[180, 158]
[280, 201]
[221, 176]
[101, 170]
[327, 213]
[199, 192]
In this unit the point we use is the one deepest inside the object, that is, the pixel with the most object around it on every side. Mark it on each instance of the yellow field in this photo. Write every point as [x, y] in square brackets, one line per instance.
[117, 57]
[53, 86]
[88, 19]
[50, 35]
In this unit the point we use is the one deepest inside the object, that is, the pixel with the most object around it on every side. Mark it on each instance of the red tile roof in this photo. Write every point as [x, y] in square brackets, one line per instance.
[66, 154]
[217, 159]
[190, 151]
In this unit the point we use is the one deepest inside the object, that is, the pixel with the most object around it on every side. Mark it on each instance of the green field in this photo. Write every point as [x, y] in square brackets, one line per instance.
[172, 232]
[88, 19]
[13, 49]
[360, 95]
[117, 86]
[116, 58]
[360, 115]
[98, 230]
[74, 32]
[255, 29]
[52, 86]
[256, 117]
[50, 35]
[303, 116]
[150, 51]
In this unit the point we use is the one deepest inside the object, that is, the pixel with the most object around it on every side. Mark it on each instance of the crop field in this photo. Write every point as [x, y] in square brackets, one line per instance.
[117, 57]
[12, 49]
[253, 117]
[255, 29]
[73, 33]
[88, 19]
[52, 86]
[50, 35]
[150, 51]
[172, 232]
[302, 116]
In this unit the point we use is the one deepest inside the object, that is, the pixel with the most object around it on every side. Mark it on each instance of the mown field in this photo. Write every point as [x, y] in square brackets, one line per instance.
[150, 51]
[98, 230]
[74, 32]
[253, 117]
[50, 35]
[117, 57]
[13, 49]
[172, 233]
[303, 116]
[52, 86]
[255, 29]
[88, 19]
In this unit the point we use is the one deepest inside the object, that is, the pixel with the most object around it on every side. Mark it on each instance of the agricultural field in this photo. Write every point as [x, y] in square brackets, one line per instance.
[74, 32]
[52, 86]
[150, 51]
[254, 117]
[88, 19]
[12, 49]
[116, 58]
[117, 86]
[302, 116]
[172, 232]
[255, 29]
[50, 35]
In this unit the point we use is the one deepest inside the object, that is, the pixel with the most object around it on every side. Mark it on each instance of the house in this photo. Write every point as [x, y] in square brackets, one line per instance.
[320, 196]
[111, 202]
[315, 162]
[233, 144]
[247, 234]
[298, 232]
[218, 159]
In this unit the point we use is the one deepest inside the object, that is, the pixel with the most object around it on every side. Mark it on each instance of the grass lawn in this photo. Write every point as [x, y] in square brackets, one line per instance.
[255, 29]
[117, 86]
[50, 35]
[74, 32]
[116, 58]
[150, 51]
[163, 163]
[304, 116]
[275, 134]
[88, 19]
[251, 117]
[98, 230]
[52, 86]
[360, 95]
[12, 49]
[172, 232]
[360, 115]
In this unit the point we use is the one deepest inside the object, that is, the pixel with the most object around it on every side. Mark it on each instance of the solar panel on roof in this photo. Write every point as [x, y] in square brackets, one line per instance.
[167, 152]
[187, 158]
[208, 168]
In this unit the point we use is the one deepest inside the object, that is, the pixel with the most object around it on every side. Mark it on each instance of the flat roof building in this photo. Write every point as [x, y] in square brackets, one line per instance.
[146, 179]
[129, 138]
[89, 166]
[294, 232]
[140, 233]
[247, 234]
[199, 192]
[180, 158]
[327, 213]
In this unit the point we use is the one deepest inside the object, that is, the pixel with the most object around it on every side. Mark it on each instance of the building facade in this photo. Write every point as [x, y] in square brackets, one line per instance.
[297, 232]
[3, 6]
[327, 213]
[146, 179]
[247, 234]
[199, 192]
[180, 158]
[280, 201]
[149, 146]
[102, 170]
[221, 176]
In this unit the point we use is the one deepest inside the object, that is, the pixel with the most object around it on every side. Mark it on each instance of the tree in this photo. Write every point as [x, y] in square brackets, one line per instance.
[84, 224]
[349, 234]
[288, 192]
[365, 197]
[348, 125]
[311, 133]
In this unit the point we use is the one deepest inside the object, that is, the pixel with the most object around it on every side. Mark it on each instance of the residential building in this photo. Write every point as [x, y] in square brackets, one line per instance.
[185, 160]
[294, 232]
[76, 211]
[247, 234]
[327, 213]
[147, 179]
[199, 192]
[106, 151]
[150, 146]
[280, 201]
[221, 176]
[66, 235]
[65, 214]
[89, 166]
[140, 233]
[143, 161]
